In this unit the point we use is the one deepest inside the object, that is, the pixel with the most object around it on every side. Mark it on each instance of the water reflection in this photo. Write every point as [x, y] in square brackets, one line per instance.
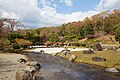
[55, 68]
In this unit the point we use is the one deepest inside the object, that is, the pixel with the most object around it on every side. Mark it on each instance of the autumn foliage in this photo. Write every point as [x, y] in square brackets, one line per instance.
[104, 23]
[23, 42]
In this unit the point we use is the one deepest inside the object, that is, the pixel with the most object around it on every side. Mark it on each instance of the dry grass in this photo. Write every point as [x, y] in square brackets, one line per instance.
[112, 57]
[108, 39]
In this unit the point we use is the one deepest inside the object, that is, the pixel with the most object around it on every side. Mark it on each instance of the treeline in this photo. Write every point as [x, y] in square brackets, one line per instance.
[106, 22]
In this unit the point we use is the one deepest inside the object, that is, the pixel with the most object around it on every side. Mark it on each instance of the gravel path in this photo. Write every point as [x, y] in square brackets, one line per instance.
[9, 65]
[56, 50]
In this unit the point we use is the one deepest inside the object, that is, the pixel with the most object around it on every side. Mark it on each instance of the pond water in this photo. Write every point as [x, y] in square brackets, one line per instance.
[56, 68]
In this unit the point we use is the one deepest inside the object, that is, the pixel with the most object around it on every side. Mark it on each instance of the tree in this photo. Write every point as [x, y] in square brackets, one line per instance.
[116, 28]
[48, 43]
[53, 37]
[87, 27]
[7, 32]
[28, 36]
[43, 39]
[8, 25]
[117, 37]
[34, 38]
[12, 36]
[11, 24]
[23, 43]
[4, 43]
[1, 24]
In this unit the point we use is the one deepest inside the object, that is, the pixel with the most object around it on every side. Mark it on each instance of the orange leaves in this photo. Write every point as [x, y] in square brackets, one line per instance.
[23, 42]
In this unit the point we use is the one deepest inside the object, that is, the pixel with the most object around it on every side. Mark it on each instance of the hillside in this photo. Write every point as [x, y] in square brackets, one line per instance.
[102, 24]
[92, 29]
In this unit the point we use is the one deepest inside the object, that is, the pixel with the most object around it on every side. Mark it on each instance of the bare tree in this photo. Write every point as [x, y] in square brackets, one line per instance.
[11, 24]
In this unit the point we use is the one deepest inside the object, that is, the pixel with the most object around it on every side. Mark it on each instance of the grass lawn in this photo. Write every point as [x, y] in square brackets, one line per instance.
[112, 57]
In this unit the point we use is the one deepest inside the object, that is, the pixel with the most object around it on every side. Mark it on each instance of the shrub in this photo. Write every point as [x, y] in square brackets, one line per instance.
[91, 41]
[117, 37]
[48, 43]
[23, 43]
[15, 46]
[4, 43]
[79, 44]
[91, 37]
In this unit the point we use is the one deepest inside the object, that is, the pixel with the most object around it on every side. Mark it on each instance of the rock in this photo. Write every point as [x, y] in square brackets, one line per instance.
[65, 49]
[111, 70]
[64, 53]
[118, 50]
[30, 72]
[30, 69]
[21, 60]
[105, 49]
[72, 58]
[73, 47]
[97, 47]
[38, 66]
[24, 75]
[31, 63]
[42, 51]
[114, 48]
[88, 52]
[34, 64]
[54, 54]
[98, 59]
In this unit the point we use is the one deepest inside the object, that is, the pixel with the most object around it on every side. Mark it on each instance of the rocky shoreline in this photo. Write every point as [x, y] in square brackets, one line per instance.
[53, 68]
[9, 65]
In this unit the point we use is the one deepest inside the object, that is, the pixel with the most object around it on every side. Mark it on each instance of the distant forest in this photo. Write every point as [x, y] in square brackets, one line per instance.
[104, 23]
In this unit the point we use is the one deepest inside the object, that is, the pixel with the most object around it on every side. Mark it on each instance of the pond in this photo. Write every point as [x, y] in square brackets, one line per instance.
[56, 68]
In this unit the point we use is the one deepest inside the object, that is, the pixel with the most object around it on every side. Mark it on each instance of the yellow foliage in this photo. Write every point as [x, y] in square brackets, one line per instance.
[48, 43]
[23, 42]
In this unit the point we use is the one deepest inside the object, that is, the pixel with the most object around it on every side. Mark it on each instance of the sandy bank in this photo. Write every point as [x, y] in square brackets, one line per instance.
[9, 65]
[56, 50]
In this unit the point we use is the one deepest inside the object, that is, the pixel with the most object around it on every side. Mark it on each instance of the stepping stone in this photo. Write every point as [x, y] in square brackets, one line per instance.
[98, 59]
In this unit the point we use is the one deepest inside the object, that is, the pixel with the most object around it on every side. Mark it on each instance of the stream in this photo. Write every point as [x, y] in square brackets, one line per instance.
[56, 68]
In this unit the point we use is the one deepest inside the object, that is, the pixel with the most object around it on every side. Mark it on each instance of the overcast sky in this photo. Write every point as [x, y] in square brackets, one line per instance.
[40, 13]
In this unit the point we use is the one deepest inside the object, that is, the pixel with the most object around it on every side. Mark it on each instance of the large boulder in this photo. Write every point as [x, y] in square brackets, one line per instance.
[88, 52]
[24, 75]
[65, 53]
[98, 59]
[31, 63]
[72, 58]
[111, 70]
[30, 69]
[22, 60]
[35, 64]
[118, 50]
[97, 47]
[31, 72]
[42, 51]
[54, 54]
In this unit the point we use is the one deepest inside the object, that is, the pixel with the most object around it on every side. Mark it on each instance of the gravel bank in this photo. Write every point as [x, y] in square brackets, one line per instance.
[56, 50]
[9, 65]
